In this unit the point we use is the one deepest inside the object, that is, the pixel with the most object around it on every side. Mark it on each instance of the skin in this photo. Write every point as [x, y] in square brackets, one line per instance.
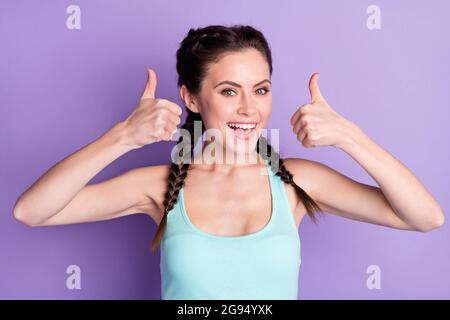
[61, 196]
[226, 102]
[314, 124]
[237, 213]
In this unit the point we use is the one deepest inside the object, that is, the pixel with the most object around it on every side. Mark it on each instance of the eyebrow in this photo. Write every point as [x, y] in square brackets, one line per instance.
[238, 85]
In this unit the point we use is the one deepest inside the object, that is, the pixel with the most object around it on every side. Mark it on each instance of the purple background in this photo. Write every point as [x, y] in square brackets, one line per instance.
[60, 89]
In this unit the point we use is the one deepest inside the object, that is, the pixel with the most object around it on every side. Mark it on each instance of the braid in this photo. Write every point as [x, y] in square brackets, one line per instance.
[201, 48]
[177, 174]
[266, 150]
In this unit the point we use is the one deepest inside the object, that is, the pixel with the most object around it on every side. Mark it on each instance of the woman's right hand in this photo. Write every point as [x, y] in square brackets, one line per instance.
[153, 119]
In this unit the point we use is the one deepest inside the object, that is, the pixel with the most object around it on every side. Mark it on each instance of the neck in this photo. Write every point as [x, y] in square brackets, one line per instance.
[227, 163]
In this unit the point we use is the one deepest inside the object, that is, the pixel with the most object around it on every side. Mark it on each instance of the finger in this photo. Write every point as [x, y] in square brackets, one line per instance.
[168, 134]
[169, 114]
[295, 116]
[150, 87]
[174, 108]
[314, 90]
[174, 118]
[302, 135]
[297, 127]
[162, 134]
[170, 126]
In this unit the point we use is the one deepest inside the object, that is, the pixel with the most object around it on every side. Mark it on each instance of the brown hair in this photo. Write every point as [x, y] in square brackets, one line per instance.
[198, 49]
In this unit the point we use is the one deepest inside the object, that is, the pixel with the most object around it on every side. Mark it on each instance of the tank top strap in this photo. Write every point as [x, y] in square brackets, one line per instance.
[281, 207]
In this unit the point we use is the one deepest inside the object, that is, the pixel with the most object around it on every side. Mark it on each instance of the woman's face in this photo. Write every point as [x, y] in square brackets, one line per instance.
[235, 92]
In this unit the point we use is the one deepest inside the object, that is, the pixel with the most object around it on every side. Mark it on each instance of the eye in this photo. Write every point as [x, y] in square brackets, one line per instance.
[227, 90]
[266, 90]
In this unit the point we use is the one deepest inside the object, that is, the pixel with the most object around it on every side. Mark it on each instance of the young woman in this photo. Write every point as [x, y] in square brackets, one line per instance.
[229, 229]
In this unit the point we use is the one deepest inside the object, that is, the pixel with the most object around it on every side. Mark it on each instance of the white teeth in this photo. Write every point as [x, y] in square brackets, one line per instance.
[235, 125]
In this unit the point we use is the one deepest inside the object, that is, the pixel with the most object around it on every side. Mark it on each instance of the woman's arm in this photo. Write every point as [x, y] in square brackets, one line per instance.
[400, 202]
[62, 182]
[408, 197]
[61, 195]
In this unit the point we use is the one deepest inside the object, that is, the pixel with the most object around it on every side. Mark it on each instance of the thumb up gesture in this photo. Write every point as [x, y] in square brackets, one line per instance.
[153, 119]
[317, 124]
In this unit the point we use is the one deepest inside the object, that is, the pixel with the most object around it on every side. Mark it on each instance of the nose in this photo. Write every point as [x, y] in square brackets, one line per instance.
[246, 107]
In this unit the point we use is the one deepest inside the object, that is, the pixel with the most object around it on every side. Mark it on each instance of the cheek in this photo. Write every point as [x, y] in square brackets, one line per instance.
[221, 108]
[216, 114]
[266, 111]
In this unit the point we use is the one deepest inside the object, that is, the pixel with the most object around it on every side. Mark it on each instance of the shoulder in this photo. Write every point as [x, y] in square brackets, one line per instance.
[152, 175]
[153, 171]
[152, 182]
[306, 173]
[299, 166]
[153, 178]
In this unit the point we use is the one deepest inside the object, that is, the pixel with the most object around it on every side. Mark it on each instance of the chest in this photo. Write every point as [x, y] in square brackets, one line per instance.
[233, 208]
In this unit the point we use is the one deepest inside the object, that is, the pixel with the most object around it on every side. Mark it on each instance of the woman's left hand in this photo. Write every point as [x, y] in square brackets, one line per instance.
[317, 124]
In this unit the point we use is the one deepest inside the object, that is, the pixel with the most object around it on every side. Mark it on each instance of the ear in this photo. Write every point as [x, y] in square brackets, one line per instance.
[189, 99]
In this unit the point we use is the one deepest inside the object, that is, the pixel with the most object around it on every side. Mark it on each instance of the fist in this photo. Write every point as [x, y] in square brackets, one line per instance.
[317, 124]
[153, 119]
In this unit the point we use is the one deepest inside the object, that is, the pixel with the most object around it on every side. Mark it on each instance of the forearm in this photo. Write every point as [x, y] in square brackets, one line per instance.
[59, 184]
[409, 198]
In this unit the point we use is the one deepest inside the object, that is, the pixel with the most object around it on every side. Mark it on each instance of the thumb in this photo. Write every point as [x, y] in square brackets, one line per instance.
[314, 90]
[150, 87]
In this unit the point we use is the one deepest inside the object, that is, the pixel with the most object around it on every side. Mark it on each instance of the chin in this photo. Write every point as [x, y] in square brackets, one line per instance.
[235, 149]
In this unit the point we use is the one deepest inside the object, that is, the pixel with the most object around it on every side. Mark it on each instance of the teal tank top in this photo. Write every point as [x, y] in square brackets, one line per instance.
[262, 265]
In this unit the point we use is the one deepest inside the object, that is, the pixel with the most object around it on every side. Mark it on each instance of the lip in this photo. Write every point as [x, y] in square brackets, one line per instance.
[244, 136]
[244, 122]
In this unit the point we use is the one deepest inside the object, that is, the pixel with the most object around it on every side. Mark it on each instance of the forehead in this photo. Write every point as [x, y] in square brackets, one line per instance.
[244, 67]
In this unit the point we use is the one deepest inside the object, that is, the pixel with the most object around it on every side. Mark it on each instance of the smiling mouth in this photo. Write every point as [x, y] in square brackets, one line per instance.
[243, 130]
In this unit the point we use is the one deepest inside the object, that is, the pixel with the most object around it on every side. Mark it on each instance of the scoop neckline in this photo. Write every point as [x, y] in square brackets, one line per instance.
[245, 236]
